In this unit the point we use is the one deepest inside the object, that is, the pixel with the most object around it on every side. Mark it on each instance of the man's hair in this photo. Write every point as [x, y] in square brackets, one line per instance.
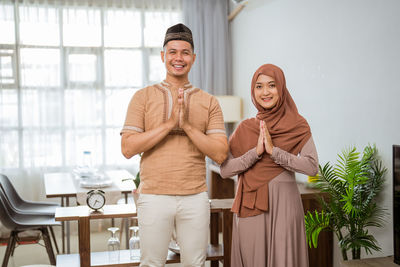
[179, 32]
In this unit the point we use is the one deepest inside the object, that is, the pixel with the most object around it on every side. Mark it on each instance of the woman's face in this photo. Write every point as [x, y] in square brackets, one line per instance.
[265, 91]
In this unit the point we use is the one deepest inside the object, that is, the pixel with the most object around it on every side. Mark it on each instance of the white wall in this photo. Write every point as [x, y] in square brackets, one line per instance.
[341, 59]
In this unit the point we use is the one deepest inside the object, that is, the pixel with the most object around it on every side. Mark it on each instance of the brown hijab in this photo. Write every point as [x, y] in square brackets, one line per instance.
[288, 129]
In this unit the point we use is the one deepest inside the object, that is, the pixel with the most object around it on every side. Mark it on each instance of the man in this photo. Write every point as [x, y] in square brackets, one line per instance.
[174, 125]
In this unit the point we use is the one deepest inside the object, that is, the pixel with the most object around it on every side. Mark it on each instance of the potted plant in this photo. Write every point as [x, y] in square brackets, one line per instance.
[137, 182]
[352, 186]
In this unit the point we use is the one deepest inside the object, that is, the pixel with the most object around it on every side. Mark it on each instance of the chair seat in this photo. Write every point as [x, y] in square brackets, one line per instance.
[18, 221]
[23, 221]
[44, 208]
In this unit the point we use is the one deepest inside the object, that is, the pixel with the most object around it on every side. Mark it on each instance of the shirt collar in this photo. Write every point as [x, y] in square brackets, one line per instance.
[186, 86]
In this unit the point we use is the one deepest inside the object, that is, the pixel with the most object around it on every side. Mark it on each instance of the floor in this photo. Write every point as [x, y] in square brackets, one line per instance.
[371, 262]
[36, 254]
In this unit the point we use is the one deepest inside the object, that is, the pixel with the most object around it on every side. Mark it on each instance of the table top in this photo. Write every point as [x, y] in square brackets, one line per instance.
[108, 211]
[218, 205]
[307, 192]
[122, 210]
[64, 184]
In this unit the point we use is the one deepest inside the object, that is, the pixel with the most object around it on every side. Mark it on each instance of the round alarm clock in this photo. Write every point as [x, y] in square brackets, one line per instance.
[95, 199]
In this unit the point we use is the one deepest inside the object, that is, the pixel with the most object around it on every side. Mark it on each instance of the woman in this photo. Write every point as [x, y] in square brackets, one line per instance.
[265, 152]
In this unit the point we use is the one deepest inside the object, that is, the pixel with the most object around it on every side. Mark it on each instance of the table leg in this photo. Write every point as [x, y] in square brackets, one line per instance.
[227, 234]
[126, 225]
[63, 229]
[68, 230]
[214, 233]
[84, 241]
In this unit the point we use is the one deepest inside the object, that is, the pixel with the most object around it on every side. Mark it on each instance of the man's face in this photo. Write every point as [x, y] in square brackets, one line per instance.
[178, 58]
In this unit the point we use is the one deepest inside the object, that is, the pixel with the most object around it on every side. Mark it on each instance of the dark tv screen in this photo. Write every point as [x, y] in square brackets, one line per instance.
[396, 203]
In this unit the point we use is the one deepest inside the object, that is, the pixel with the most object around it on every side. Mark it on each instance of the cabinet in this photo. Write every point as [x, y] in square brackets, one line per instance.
[215, 252]
[321, 256]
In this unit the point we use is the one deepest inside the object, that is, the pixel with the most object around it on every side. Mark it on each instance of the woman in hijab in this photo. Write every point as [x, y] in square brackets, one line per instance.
[265, 152]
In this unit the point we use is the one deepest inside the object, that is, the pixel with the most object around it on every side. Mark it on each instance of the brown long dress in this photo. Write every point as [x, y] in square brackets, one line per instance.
[275, 238]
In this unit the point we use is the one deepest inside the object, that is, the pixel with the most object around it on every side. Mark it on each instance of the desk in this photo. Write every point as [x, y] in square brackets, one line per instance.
[85, 258]
[318, 257]
[64, 186]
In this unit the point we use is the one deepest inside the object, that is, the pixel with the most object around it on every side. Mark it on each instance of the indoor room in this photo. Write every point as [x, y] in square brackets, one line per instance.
[75, 154]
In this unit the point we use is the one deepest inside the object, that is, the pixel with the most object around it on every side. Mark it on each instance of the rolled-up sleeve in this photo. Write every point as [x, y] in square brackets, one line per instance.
[215, 119]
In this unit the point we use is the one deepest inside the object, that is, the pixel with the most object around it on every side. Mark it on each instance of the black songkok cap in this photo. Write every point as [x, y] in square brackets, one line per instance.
[178, 32]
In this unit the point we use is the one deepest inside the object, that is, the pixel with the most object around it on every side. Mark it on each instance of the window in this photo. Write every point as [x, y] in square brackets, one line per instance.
[67, 74]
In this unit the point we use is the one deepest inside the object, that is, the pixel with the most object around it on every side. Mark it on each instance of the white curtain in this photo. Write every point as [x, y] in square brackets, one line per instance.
[67, 72]
[208, 20]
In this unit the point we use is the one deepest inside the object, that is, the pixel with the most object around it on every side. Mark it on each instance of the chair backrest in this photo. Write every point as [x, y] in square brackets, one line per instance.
[11, 219]
[10, 192]
[6, 212]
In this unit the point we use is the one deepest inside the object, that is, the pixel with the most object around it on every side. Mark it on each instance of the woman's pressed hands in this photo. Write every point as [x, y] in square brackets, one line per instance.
[260, 144]
[267, 138]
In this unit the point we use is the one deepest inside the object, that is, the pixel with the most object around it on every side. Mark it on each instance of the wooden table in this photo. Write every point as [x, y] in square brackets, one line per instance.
[83, 215]
[64, 186]
[322, 256]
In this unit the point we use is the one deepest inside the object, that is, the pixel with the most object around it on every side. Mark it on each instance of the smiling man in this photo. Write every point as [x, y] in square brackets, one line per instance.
[175, 125]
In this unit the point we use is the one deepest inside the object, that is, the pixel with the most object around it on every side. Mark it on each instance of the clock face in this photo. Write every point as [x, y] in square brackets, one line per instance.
[96, 200]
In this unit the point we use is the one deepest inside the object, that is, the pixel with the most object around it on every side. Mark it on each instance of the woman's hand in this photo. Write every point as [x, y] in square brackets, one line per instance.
[260, 143]
[267, 139]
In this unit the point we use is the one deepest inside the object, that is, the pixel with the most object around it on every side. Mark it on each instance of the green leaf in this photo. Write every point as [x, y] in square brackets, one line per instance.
[314, 225]
[137, 179]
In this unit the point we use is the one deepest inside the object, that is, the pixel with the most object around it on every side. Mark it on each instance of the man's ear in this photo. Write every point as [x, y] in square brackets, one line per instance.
[162, 56]
[194, 57]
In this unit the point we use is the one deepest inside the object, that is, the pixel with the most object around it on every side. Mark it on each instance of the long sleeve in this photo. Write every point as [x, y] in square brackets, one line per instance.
[233, 166]
[306, 162]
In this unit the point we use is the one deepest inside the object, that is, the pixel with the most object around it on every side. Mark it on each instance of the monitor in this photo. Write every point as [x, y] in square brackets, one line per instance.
[396, 203]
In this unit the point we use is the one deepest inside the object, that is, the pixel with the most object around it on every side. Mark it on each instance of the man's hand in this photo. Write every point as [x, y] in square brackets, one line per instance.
[182, 110]
[174, 120]
[267, 139]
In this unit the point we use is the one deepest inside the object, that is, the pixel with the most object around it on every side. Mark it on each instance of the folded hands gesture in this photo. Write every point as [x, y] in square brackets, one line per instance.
[178, 112]
[264, 140]
[182, 108]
